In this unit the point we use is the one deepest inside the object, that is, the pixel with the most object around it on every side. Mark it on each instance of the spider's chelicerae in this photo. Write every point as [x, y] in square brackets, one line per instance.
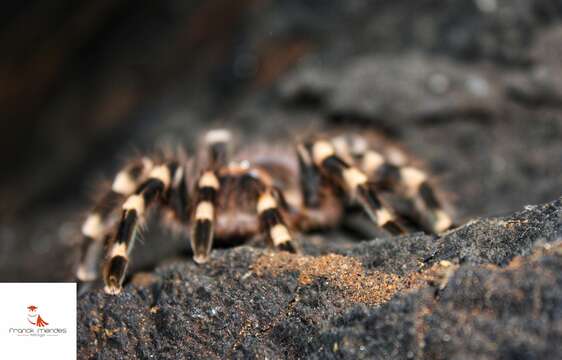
[275, 191]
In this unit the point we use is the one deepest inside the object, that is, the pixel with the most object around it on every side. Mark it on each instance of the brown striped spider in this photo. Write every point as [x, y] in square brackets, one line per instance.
[268, 190]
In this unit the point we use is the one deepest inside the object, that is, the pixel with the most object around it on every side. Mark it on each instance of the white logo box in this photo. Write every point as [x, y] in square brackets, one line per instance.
[38, 321]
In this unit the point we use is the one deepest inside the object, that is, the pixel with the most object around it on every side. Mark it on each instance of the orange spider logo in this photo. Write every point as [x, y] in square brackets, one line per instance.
[34, 318]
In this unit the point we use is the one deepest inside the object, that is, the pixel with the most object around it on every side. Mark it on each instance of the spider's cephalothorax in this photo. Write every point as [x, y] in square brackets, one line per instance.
[271, 190]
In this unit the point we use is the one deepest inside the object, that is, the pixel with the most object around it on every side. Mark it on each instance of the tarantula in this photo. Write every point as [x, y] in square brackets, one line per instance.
[262, 190]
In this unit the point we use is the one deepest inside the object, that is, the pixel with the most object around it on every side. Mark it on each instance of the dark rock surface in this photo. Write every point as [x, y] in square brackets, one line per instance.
[407, 297]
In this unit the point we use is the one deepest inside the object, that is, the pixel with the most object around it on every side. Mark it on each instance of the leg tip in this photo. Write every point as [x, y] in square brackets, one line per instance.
[112, 289]
[442, 223]
[288, 246]
[394, 228]
[200, 258]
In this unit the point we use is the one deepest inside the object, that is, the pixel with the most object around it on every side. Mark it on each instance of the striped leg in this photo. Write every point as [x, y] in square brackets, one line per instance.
[97, 225]
[413, 184]
[272, 224]
[204, 216]
[356, 184]
[133, 215]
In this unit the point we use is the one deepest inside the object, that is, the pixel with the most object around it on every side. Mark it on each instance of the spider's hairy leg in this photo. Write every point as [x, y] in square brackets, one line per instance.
[204, 216]
[412, 183]
[98, 223]
[133, 214]
[440, 220]
[217, 142]
[356, 183]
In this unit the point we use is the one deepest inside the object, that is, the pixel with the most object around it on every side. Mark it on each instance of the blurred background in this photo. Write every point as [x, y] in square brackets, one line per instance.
[473, 87]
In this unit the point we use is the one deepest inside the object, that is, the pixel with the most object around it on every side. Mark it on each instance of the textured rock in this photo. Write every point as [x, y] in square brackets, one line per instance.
[400, 89]
[408, 297]
[483, 312]
[542, 84]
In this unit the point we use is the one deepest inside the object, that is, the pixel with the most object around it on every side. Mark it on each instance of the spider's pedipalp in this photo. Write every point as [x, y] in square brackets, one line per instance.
[133, 214]
[356, 183]
[276, 231]
[272, 223]
[217, 142]
[253, 190]
[310, 180]
[204, 216]
[96, 226]
[178, 198]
